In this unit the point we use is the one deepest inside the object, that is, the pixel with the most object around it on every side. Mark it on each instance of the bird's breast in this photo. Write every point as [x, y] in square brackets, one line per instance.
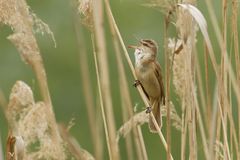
[146, 75]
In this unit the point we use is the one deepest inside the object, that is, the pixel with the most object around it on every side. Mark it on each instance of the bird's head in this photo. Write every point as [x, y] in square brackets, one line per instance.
[145, 50]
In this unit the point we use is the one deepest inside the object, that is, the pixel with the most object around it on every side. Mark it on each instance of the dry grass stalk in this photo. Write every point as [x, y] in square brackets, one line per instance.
[21, 21]
[208, 94]
[215, 66]
[187, 33]
[165, 6]
[1, 149]
[175, 119]
[126, 103]
[225, 139]
[87, 88]
[124, 91]
[141, 141]
[101, 100]
[86, 13]
[73, 146]
[137, 119]
[236, 51]
[201, 22]
[32, 122]
[16, 14]
[214, 131]
[235, 12]
[91, 13]
[234, 83]
[167, 82]
[219, 150]
[141, 118]
[104, 76]
[143, 96]
[126, 100]
[204, 106]
[223, 70]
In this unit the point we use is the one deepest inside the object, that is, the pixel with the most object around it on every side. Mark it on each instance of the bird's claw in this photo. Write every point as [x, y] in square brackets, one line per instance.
[148, 109]
[136, 83]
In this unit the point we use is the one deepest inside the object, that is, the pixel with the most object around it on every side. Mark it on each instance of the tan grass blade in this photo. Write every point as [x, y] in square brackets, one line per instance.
[123, 86]
[16, 14]
[223, 72]
[219, 149]
[104, 76]
[126, 99]
[88, 91]
[132, 69]
[229, 68]
[167, 86]
[235, 11]
[127, 110]
[143, 147]
[208, 95]
[101, 100]
[187, 32]
[84, 7]
[235, 84]
[199, 18]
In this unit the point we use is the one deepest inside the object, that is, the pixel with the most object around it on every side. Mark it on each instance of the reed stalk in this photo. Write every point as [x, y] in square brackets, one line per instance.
[87, 88]
[126, 99]
[143, 96]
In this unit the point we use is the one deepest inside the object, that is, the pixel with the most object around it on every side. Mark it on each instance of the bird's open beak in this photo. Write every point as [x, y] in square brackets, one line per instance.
[134, 47]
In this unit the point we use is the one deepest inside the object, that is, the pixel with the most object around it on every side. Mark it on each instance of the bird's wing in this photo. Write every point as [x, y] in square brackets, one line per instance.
[158, 73]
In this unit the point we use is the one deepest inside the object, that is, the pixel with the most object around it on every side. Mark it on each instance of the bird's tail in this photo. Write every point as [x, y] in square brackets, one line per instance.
[157, 115]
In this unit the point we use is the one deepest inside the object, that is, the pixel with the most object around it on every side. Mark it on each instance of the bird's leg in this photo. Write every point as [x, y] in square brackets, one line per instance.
[148, 109]
[136, 83]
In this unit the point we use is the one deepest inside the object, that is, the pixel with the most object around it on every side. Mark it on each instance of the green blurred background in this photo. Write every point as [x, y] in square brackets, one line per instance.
[63, 68]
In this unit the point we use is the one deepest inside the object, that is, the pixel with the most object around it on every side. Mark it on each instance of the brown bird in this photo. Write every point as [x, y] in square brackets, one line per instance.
[149, 76]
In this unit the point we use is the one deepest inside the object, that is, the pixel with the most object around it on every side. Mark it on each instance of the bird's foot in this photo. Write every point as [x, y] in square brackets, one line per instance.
[136, 83]
[148, 109]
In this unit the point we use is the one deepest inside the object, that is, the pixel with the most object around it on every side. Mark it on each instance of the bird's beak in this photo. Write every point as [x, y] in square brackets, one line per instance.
[134, 47]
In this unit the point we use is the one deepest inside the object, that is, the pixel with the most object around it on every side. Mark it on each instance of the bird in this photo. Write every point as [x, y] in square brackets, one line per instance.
[149, 76]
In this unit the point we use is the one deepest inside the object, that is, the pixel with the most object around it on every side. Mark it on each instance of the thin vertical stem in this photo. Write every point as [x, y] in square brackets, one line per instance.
[167, 75]
[104, 76]
[235, 11]
[223, 67]
[143, 96]
[87, 90]
[101, 100]
[224, 132]
[235, 84]
[125, 95]
[144, 151]
[208, 94]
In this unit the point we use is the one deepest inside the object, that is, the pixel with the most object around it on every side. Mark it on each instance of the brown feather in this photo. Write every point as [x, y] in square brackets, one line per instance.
[158, 72]
[148, 72]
